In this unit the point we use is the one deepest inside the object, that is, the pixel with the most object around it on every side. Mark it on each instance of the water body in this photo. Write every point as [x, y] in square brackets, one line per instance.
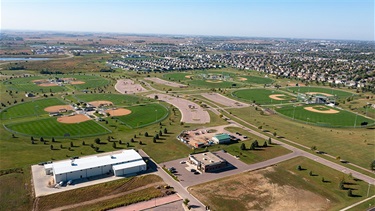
[22, 59]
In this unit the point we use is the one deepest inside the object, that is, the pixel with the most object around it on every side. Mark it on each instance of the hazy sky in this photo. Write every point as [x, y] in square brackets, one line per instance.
[326, 19]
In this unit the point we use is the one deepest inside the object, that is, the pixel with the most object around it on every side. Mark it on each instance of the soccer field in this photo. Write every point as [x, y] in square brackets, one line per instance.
[262, 96]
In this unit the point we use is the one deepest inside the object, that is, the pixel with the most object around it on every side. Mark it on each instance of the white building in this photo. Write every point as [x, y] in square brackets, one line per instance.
[118, 164]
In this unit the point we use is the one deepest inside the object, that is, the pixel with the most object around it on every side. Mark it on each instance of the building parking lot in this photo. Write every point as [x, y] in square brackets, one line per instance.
[188, 177]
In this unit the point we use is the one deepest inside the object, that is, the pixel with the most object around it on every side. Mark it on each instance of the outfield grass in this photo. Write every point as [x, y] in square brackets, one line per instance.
[91, 81]
[355, 145]
[341, 119]
[116, 99]
[50, 127]
[337, 92]
[261, 96]
[177, 76]
[255, 79]
[26, 85]
[31, 108]
[214, 84]
[142, 115]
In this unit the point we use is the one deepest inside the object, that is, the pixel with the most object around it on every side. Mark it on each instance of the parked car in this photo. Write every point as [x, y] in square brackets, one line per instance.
[197, 172]
[183, 162]
[70, 182]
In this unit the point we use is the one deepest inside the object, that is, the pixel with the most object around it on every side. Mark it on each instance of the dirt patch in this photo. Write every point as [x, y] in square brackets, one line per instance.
[73, 119]
[211, 81]
[319, 93]
[40, 81]
[118, 112]
[324, 111]
[277, 97]
[295, 84]
[59, 108]
[254, 191]
[68, 79]
[127, 86]
[99, 103]
[189, 76]
[242, 79]
[77, 82]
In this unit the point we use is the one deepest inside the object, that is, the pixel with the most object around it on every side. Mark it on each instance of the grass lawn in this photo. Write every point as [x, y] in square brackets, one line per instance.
[116, 99]
[26, 85]
[95, 191]
[142, 115]
[282, 186]
[177, 76]
[255, 79]
[261, 96]
[213, 83]
[91, 81]
[303, 89]
[15, 192]
[343, 118]
[50, 127]
[355, 145]
[31, 108]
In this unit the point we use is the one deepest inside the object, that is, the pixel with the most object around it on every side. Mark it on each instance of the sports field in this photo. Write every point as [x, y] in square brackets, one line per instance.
[213, 83]
[254, 79]
[143, 115]
[117, 99]
[50, 127]
[90, 81]
[324, 115]
[27, 85]
[317, 90]
[262, 96]
[32, 108]
[178, 76]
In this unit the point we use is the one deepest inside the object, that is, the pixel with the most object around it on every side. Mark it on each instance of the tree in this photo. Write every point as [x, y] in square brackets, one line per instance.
[311, 173]
[120, 142]
[256, 144]
[97, 140]
[156, 97]
[157, 136]
[83, 143]
[274, 133]
[71, 144]
[186, 202]
[373, 165]
[146, 134]
[252, 146]
[13, 136]
[313, 148]
[132, 140]
[243, 147]
[51, 147]
[269, 140]
[160, 133]
[127, 144]
[350, 193]
[154, 140]
[140, 143]
[323, 180]
[53, 139]
[299, 168]
[114, 145]
[41, 139]
[265, 144]
[165, 131]
[32, 138]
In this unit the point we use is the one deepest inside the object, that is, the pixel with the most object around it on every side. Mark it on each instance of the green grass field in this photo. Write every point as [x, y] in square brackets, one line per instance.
[143, 115]
[213, 84]
[116, 99]
[343, 118]
[26, 85]
[255, 79]
[31, 108]
[50, 127]
[177, 76]
[91, 81]
[305, 89]
[261, 96]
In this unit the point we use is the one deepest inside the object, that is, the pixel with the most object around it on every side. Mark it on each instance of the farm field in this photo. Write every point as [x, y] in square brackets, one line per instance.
[50, 127]
[262, 96]
[338, 118]
[334, 141]
[116, 99]
[282, 187]
[31, 108]
[329, 91]
[142, 115]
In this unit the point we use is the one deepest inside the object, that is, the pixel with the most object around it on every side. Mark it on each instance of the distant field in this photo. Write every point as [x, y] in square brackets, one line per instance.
[116, 99]
[91, 81]
[261, 96]
[26, 85]
[31, 108]
[177, 76]
[213, 83]
[304, 89]
[50, 127]
[254, 79]
[343, 118]
[143, 115]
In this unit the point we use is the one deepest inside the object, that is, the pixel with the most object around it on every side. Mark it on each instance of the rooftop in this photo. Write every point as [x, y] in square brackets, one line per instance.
[207, 158]
[222, 136]
[88, 162]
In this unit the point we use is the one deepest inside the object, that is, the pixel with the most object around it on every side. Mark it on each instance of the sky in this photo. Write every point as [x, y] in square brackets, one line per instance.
[316, 19]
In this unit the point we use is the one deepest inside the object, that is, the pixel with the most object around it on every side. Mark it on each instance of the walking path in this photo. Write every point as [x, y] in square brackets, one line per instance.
[360, 202]
[151, 203]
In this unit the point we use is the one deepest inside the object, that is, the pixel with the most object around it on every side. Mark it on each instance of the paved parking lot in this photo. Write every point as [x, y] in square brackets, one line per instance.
[188, 178]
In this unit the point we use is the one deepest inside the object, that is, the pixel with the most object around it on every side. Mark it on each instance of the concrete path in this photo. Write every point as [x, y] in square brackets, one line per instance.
[360, 202]
[157, 202]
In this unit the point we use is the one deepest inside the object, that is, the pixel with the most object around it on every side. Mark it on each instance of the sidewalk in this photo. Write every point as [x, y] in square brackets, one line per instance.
[151, 203]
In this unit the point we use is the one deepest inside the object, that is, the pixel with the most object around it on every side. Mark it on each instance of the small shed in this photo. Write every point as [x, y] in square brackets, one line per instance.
[221, 138]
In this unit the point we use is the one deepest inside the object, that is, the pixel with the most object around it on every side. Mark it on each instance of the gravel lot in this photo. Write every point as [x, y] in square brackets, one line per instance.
[164, 82]
[223, 100]
[127, 86]
[191, 112]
